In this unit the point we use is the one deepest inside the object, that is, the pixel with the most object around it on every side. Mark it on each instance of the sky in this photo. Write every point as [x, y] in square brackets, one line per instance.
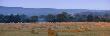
[59, 4]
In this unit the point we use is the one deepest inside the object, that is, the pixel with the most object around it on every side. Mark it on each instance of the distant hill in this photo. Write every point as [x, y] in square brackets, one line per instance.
[42, 11]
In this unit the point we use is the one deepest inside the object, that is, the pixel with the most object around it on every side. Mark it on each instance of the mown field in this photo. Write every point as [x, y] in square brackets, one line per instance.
[60, 29]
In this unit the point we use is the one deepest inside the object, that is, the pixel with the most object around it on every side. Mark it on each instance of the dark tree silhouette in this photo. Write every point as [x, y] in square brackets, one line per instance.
[90, 18]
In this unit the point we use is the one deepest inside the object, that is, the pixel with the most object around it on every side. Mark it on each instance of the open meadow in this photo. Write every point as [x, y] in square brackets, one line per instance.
[55, 29]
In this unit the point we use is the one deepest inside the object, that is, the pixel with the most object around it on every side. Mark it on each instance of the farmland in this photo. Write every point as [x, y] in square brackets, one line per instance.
[58, 29]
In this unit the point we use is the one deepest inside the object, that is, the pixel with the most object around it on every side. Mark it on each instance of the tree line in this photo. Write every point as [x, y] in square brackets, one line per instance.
[66, 17]
[61, 17]
[17, 18]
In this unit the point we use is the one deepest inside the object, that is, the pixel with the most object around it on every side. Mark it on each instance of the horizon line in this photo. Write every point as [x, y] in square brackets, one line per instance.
[50, 8]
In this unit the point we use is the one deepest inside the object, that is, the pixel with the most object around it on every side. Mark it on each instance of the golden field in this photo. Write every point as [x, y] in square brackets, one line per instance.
[59, 28]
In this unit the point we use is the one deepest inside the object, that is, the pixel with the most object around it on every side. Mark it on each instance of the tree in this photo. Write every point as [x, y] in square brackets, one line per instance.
[90, 18]
[2, 18]
[17, 18]
[50, 18]
[77, 17]
[9, 18]
[34, 18]
[25, 18]
[63, 17]
[12, 18]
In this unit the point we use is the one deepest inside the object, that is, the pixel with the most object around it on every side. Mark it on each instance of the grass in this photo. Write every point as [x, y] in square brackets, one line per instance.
[21, 33]
[94, 30]
[87, 33]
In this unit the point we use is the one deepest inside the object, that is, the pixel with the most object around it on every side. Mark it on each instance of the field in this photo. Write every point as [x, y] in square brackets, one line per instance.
[55, 29]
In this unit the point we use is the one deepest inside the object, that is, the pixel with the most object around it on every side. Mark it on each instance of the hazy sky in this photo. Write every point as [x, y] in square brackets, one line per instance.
[60, 4]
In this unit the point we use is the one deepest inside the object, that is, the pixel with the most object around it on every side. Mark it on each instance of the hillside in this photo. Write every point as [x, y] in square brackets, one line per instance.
[41, 11]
